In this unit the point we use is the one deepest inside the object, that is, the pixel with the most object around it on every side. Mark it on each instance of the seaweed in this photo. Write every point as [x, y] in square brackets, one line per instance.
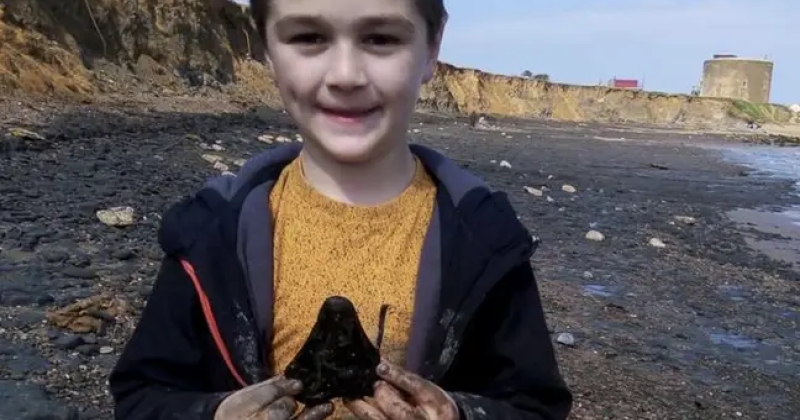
[337, 360]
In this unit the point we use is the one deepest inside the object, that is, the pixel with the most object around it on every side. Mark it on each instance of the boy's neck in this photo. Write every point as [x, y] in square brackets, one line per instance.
[370, 183]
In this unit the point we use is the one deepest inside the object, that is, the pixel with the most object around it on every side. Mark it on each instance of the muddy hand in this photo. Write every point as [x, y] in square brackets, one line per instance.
[402, 395]
[268, 400]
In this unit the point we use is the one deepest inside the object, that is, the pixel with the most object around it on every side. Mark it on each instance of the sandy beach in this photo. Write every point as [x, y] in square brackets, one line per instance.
[677, 313]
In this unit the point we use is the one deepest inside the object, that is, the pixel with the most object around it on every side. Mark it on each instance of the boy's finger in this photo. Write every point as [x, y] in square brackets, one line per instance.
[364, 410]
[257, 396]
[401, 378]
[318, 412]
[391, 402]
[282, 409]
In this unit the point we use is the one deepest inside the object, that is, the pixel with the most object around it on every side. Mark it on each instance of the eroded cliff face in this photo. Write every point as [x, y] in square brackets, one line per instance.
[58, 47]
[467, 91]
[83, 48]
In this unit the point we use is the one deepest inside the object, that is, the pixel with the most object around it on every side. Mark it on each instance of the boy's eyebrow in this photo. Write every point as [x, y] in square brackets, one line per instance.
[388, 20]
[378, 20]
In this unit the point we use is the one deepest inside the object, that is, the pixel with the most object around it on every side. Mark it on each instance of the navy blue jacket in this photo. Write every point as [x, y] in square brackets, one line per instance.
[478, 329]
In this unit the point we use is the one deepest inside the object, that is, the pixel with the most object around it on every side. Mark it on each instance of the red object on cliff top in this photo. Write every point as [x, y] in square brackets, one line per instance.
[625, 83]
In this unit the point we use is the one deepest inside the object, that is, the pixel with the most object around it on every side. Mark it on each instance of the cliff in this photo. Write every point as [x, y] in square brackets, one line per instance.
[83, 48]
[467, 91]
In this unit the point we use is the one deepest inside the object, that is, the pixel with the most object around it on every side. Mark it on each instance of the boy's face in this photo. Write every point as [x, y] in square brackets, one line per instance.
[349, 71]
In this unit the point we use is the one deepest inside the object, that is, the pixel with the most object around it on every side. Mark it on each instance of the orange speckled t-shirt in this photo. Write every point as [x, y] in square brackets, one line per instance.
[369, 254]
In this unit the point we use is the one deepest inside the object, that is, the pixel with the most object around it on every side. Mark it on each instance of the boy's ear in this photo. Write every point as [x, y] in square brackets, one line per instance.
[433, 54]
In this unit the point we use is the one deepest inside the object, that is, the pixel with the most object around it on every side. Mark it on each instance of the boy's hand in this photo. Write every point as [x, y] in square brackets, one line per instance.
[402, 395]
[269, 400]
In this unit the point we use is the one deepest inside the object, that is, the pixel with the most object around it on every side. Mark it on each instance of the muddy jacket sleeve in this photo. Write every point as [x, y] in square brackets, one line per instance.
[162, 371]
[506, 368]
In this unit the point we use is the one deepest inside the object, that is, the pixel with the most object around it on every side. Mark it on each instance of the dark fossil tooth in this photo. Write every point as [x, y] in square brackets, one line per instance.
[337, 360]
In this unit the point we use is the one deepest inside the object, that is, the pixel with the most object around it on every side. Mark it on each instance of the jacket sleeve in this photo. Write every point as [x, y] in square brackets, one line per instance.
[506, 368]
[161, 372]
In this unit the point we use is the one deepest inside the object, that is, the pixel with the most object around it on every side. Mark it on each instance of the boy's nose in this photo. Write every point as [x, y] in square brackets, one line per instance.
[346, 71]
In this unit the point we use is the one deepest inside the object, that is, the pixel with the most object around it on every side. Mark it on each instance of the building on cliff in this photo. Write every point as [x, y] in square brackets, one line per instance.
[625, 84]
[730, 76]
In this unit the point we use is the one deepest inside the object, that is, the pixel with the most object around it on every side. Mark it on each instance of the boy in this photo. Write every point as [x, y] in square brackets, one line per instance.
[356, 211]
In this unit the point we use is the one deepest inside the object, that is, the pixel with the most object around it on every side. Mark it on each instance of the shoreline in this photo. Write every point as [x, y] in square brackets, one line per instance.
[704, 327]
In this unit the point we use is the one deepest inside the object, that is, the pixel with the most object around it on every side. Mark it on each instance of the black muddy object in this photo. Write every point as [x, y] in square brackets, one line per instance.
[337, 360]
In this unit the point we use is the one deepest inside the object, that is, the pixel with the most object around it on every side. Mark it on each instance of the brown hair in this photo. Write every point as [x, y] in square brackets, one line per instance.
[433, 11]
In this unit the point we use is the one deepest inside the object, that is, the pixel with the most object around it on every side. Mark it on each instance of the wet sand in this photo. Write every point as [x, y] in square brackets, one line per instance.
[705, 327]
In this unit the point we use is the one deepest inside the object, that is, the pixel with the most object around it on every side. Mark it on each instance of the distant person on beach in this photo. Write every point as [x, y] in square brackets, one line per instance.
[355, 211]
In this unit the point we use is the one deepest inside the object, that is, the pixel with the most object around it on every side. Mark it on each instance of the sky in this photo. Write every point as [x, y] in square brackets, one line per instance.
[662, 43]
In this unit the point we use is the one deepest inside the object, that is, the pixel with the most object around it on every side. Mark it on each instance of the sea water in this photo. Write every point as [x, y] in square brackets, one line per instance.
[780, 162]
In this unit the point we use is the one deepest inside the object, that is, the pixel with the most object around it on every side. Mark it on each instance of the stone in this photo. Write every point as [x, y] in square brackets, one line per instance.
[566, 339]
[594, 235]
[117, 216]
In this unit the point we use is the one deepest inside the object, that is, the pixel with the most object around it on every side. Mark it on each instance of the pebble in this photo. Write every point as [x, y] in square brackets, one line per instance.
[686, 219]
[568, 188]
[533, 191]
[566, 339]
[68, 341]
[117, 216]
[657, 243]
[211, 158]
[106, 350]
[79, 272]
[505, 164]
[123, 254]
[594, 235]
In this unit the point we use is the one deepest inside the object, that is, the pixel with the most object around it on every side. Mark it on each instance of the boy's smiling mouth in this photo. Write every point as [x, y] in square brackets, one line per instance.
[348, 115]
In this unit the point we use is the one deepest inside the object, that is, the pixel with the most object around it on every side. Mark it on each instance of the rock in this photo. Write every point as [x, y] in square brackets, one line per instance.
[217, 147]
[533, 191]
[594, 235]
[54, 256]
[266, 138]
[117, 216]
[566, 339]
[123, 254]
[20, 360]
[505, 164]
[221, 167]
[80, 260]
[211, 158]
[657, 243]
[68, 341]
[239, 162]
[106, 350]
[568, 188]
[26, 401]
[27, 287]
[79, 272]
[686, 219]
[90, 314]
[24, 134]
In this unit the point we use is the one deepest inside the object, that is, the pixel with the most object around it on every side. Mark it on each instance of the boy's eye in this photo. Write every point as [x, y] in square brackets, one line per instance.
[381, 40]
[307, 38]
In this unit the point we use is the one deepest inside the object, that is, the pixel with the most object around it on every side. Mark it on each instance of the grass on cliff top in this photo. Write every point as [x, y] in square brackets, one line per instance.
[760, 113]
